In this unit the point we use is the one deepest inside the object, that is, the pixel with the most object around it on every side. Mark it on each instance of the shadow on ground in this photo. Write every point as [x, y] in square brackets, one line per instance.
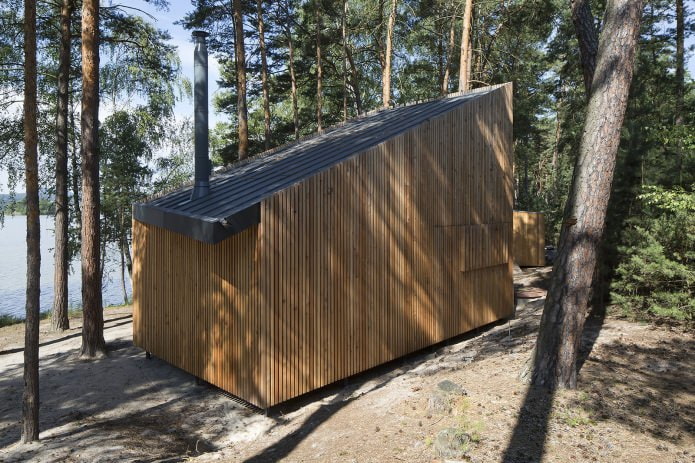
[646, 388]
[119, 407]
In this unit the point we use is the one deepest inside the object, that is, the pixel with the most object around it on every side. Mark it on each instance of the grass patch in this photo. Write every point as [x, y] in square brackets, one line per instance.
[473, 428]
[7, 320]
[575, 418]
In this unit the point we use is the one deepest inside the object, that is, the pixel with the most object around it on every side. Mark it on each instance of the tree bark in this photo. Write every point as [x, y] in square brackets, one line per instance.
[355, 79]
[75, 166]
[92, 309]
[449, 53]
[564, 313]
[345, 59]
[59, 315]
[122, 243]
[128, 257]
[587, 37]
[319, 70]
[680, 79]
[240, 60]
[466, 54]
[264, 75]
[386, 75]
[293, 82]
[680, 61]
[30, 397]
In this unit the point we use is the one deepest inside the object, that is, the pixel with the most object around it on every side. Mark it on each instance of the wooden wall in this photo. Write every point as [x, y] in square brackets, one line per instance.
[529, 239]
[395, 249]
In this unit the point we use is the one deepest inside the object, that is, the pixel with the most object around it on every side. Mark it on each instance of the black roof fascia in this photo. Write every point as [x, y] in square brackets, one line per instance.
[207, 230]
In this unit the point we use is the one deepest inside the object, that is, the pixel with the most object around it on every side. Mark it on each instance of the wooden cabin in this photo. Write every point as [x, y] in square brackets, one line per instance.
[529, 239]
[329, 256]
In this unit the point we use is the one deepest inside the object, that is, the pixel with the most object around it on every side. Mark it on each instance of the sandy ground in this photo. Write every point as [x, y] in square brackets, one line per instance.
[635, 403]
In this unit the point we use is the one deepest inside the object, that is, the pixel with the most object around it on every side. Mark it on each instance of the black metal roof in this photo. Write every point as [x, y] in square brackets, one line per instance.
[233, 203]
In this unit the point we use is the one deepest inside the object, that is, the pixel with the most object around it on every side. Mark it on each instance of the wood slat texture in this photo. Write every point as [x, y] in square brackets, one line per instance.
[395, 249]
[529, 239]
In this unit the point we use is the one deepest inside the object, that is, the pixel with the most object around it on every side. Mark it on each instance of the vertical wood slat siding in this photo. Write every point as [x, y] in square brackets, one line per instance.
[529, 238]
[395, 249]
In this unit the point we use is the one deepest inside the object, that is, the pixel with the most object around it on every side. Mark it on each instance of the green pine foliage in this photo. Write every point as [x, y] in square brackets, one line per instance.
[655, 276]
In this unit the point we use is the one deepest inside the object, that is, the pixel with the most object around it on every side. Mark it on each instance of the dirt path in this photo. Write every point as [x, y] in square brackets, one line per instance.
[636, 403]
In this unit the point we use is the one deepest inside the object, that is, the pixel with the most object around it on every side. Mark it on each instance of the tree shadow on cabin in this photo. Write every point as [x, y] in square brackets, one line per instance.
[393, 232]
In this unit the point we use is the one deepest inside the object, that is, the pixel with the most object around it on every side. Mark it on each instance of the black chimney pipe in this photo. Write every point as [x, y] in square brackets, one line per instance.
[201, 186]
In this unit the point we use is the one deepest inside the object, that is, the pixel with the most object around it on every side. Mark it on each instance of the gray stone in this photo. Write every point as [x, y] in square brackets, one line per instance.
[452, 443]
[451, 387]
[439, 402]
[462, 359]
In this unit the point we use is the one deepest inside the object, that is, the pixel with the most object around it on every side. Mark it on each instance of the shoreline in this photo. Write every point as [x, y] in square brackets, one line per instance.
[9, 320]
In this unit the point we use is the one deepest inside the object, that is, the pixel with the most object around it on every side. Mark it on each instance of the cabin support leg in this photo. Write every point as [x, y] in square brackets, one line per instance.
[148, 355]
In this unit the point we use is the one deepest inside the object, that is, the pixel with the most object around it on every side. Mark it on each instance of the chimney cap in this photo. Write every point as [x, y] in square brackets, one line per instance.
[202, 34]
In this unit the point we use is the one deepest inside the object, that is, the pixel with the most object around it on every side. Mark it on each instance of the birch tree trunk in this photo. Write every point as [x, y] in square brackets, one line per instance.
[264, 75]
[564, 313]
[59, 314]
[240, 60]
[30, 397]
[466, 53]
[386, 75]
[92, 309]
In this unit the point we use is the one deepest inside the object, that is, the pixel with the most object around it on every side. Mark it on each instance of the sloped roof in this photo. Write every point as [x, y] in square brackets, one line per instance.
[233, 203]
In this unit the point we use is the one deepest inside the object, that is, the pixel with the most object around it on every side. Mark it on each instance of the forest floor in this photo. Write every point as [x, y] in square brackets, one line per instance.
[459, 401]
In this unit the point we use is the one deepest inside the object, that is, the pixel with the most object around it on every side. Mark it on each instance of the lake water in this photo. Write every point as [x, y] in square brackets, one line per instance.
[13, 267]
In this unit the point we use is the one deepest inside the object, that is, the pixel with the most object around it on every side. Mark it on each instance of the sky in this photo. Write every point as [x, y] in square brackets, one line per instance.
[182, 39]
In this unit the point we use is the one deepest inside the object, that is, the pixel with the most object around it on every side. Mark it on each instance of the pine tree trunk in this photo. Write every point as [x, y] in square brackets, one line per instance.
[121, 245]
[555, 358]
[587, 37]
[680, 79]
[240, 60]
[128, 257]
[441, 59]
[30, 398]
[345, 60]
[319, 70]
[290, 64]
[680, 60]
[59, 315]
[264, 76]
[386, 75]
[355, 79]
[293, 82]
[75, 166]
[92, 309]
[466, 53]
[449, 54]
